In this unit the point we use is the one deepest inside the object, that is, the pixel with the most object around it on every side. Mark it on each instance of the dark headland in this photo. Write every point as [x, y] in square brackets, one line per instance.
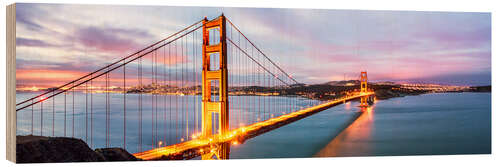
[38, 149]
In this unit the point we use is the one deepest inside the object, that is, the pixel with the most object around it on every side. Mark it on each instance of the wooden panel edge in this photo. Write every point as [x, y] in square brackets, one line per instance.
[11, 82]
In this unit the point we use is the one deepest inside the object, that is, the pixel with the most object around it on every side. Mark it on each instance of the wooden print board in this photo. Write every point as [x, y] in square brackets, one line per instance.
[93, 83]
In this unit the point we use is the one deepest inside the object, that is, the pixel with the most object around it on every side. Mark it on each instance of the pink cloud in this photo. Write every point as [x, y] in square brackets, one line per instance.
[109, 39]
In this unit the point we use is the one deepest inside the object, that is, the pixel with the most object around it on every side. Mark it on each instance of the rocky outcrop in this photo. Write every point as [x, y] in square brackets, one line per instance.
[481, 88]
[383, 94]
[116, 154]
[38, 149]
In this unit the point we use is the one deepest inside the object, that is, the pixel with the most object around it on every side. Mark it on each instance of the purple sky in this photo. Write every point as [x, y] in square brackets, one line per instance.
[63, 42]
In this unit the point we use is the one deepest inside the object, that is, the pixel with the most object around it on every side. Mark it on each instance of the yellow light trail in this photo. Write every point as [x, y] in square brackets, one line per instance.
[202, 145]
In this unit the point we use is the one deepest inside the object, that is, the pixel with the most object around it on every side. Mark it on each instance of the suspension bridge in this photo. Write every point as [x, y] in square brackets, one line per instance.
[193, 93]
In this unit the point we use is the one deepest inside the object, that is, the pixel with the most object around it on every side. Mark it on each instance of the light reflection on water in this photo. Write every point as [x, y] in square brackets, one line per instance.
[430, 124]
[347, 143]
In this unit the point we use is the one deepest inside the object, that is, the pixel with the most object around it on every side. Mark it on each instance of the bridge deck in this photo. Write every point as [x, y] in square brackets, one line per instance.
[196, 147]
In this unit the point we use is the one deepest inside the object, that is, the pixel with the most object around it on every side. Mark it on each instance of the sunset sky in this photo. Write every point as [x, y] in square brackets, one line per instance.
[58, 43]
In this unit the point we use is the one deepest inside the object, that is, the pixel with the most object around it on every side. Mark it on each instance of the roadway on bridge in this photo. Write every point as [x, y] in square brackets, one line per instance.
[196, 147]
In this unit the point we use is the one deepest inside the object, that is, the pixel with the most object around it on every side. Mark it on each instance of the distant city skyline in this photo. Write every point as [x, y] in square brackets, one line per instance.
[59, 43]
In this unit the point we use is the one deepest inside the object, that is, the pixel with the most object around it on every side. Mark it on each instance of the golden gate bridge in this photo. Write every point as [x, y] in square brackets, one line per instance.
[196, 105]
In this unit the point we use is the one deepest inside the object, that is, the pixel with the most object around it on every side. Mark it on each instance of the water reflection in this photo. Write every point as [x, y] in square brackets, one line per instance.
[352, 141]
[347, 105]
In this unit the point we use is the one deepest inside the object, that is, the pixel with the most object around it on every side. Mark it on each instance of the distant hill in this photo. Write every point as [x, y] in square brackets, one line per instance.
[481, 88]
[298, 85]
[343, 83]
[356, 82]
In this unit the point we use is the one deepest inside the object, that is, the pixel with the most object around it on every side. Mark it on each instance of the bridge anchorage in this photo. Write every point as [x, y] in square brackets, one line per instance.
[365, 101]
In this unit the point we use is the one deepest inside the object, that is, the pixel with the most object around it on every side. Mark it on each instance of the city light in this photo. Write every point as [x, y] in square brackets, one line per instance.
[34, 88]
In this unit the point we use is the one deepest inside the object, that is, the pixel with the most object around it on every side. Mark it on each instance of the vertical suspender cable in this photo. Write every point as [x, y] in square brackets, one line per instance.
[170, 87]
[53, 113]
[156, 96]
[185, 85]
[124, 108]
[86, 111]
[73, 115]
[106, 96]
[91, 114]
[176, 95]
[41, 118]
[195, 82]
[193, 57]
[139, 75]
[32, 108]
[152, 99]
[164, 99]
